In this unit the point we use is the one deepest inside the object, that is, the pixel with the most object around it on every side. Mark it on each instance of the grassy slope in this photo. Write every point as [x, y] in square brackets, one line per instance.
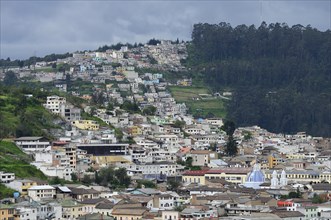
[187, 94]
[5, 192]
[38, 117]
[13, 160]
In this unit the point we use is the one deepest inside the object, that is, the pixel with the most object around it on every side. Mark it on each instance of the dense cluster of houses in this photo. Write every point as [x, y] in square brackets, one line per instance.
[273, 176]
[255, 184]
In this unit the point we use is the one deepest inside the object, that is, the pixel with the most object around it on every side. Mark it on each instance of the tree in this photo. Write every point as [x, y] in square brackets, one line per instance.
[113, 178]
[270, 71]
[149, 110]
[296, 194]
[229, 127]
[247, 135]
[153, 42]
[188, 162]
[10, 78]
[110, 106]
[4, 128]
[173, 184]
[54, 65]
[179, 124]
[68, 81]
[74, 177]
[231, 148]
[320, 198]
[130, 107]
[87, 180]
[55, 181]
[146, 183]
[122, 177]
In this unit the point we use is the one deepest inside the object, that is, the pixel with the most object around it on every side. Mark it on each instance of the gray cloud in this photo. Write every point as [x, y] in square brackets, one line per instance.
[45, 27]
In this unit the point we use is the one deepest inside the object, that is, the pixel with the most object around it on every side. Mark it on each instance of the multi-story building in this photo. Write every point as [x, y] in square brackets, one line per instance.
[201, 157]
[274, 160]
[7, 212]
[233, 175]
[160, 168]
[21, 186]
[54, 103]
[70, 112]
[303, 176]
[32, 144]
[6, 177]
[38, 193]
[194, 176]
[86, 124]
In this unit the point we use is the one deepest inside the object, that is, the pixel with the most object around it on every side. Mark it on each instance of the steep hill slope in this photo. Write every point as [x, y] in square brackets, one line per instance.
[13, 160]
[279, 75]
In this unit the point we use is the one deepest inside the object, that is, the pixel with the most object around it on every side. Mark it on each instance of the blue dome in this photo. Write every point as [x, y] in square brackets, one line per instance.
[256, 176]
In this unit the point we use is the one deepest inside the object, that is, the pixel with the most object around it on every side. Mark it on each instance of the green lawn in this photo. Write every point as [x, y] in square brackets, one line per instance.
[201, 107]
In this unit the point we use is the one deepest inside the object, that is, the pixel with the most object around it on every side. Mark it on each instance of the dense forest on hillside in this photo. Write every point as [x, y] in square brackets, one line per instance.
[279, 75]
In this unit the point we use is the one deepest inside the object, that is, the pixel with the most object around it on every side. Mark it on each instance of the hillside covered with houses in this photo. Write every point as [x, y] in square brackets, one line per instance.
[111, 140]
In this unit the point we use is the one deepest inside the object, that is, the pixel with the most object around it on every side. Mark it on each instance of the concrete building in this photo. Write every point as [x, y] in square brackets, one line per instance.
[54, 103]
[6, 177]
[38, 193]
[86, 124]
[32, 144]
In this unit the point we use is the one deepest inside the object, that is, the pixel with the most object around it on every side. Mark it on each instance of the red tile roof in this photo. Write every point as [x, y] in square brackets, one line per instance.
[195, 173]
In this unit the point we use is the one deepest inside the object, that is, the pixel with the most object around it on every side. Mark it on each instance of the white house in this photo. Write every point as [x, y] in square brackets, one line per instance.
[38, 193]
[6, 177]
[32, 144]
[53, 103]
[166, 201]
[170, 215]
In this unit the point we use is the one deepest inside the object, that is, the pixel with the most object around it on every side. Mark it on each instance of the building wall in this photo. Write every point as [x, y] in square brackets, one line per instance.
[170, 215]
[7, 213]
[21, 187]
[200, 159]
[86, 125]
[40, 194]
[233, 178]
[6, 177]
[194, 179]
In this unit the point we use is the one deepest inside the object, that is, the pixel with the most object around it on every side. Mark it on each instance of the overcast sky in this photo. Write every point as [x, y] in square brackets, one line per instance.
[43, 27]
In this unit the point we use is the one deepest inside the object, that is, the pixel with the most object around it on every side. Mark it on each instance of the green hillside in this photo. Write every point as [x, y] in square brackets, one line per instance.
[13, 160]
[279, 75]
[23, 116]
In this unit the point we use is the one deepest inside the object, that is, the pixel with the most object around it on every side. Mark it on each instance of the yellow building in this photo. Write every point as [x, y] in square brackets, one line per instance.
[134, 130]
[303, 176]
[274, 160]
[129, 213]
[296, 156]
[71, 209]
[233, 175]
[7, 212]
[194, 176]
[86, 125]
[22, 186]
